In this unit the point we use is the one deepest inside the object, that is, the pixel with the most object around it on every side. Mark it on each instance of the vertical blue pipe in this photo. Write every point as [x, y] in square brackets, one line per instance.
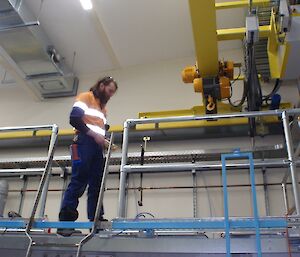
[226, 214]
[254, 204]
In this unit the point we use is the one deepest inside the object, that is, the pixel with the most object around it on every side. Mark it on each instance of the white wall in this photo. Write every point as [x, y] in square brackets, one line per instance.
[152, 87]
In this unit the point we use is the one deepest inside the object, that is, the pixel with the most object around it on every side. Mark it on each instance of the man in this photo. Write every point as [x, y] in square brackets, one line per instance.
[88, 117]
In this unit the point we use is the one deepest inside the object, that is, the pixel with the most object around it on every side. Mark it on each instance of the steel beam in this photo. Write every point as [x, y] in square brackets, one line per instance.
[203, 15]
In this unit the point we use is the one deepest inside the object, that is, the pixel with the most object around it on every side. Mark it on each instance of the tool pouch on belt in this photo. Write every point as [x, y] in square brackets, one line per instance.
[75, 154]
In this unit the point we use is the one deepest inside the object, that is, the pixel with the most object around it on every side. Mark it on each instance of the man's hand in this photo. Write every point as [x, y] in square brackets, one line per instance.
[100, 140]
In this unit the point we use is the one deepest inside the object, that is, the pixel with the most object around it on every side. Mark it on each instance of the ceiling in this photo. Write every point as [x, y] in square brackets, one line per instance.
[117, 34]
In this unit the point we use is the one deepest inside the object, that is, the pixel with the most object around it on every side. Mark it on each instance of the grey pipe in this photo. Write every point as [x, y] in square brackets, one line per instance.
[48, 167]
[19, 172]
[3, 195]
[22, 128]
[296, 155]
[292, 164]
[285, 198]
[214, 116]
[123, 174]
[182, 167]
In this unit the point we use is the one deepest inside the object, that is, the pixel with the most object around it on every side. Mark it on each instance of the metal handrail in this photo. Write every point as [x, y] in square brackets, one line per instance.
[44, 183]
[125, 169]
[214, 116]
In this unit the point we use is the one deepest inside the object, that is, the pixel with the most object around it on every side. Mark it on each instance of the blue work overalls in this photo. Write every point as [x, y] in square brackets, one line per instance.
[87, 170]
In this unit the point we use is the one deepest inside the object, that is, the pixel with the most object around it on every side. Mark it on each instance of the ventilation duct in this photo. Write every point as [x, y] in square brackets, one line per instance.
[29, 50]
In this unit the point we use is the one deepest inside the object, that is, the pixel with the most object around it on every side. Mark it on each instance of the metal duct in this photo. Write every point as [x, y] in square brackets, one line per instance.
[3, 195]
[27, 47]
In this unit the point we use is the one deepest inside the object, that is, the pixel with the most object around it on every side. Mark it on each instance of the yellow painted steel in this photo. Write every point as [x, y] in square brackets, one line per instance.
[239, 33]
[239, 4]
[199, 110]
[286, 50]
[242, 77]
[196, 110]
[44, 133]
[277, 53]
[203, 15]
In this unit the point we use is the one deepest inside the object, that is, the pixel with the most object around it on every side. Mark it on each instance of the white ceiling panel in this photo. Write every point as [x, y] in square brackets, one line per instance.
[122, 33]
[147, 31]
[70, 28]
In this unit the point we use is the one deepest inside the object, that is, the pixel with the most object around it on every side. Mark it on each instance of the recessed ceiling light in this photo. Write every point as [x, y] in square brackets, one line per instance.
[86, 4]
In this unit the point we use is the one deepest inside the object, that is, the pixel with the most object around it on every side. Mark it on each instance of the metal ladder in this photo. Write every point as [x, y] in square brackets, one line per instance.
[239, 155]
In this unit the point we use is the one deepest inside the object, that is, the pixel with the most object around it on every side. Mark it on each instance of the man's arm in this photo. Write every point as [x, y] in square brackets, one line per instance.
[76, 120]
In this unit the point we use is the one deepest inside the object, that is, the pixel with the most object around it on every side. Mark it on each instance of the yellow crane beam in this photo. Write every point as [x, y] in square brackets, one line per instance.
[239, 4]
[203, 15]
[239, 33]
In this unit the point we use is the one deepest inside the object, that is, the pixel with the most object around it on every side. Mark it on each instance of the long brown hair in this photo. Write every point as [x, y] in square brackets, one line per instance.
[105, 81]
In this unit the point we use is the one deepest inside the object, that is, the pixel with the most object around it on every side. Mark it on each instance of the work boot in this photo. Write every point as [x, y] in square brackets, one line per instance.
[101, 219]
[68, 214]
[68, 232]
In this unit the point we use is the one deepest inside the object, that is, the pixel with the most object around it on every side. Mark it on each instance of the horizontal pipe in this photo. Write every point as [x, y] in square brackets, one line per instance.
[18, 172]
[42, 127]
[178, 167]
[214, 116]
[160, 187]
[171, 167]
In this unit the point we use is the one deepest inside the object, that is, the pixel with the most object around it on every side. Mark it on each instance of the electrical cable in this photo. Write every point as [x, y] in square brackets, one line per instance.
[142, 214]
[277, 85]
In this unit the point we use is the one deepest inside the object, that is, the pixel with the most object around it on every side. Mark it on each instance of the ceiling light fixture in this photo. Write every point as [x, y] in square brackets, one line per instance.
[86, 4]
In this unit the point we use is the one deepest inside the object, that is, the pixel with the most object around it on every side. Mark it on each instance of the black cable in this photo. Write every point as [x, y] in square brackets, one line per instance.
[234, 82]
[255, 93]
[240, 71]
[242, 101]
[143, 214]
[121, 232]
[274, 90]
[4, 231]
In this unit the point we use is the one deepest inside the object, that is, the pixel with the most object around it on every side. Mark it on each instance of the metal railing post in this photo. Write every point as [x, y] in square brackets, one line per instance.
[123, 173]
[292, 165]
[47, 180]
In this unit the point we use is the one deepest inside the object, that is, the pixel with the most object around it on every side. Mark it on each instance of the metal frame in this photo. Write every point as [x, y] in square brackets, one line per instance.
[126, 169]
[41, 194]
[43, 187]
[160, 224]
